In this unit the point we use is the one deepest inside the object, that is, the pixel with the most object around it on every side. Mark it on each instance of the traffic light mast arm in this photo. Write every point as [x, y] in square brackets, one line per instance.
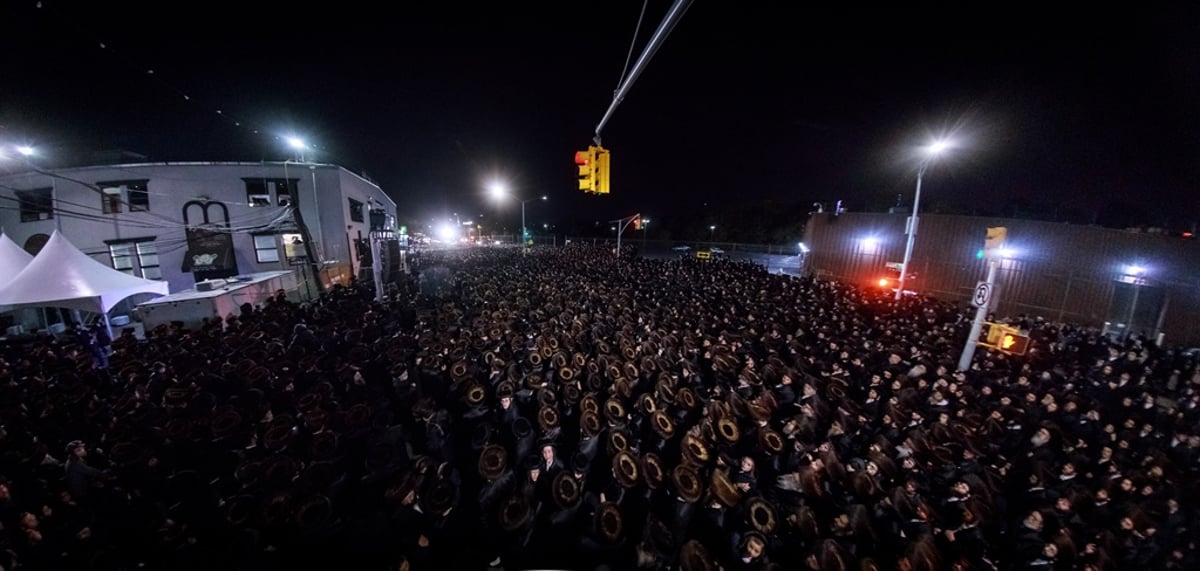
[660, 35]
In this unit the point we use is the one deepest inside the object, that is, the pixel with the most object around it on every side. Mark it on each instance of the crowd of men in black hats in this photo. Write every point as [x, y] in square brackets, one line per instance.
[564, 408]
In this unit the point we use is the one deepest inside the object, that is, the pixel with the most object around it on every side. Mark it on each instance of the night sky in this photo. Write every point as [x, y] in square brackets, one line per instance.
[1084, 115]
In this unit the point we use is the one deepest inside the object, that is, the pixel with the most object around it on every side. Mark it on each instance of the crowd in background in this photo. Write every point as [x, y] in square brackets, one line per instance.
[565, 408]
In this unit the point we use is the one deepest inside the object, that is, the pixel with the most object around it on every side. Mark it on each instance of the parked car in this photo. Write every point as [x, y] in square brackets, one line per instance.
[716, 250]
[681, 248]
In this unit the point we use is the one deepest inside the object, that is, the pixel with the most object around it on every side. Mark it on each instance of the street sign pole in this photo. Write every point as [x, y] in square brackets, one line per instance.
[985, 300]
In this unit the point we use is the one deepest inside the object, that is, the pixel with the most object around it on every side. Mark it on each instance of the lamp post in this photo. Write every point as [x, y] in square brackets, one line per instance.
[712, 230]
[931, 152]
[499, 190]
[645, 224]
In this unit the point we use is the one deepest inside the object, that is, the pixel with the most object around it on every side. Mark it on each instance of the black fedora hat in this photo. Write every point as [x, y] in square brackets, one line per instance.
[515, 512]
[521, 428]
[663, 425]
[652, 468]
[625, 469]
[566, 490]
[505, 389]
[687, 483]
[761, 515]
[609, 524]
[225, 423]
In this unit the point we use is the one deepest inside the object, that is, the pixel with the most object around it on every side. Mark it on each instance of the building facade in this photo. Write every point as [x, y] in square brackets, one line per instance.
[186, 222]
[1122, 281]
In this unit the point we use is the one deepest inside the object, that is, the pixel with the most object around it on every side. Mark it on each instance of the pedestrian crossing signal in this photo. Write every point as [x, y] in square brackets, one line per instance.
[1014, 344]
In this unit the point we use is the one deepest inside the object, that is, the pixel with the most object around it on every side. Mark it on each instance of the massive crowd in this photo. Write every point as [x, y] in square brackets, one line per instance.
[565, 409]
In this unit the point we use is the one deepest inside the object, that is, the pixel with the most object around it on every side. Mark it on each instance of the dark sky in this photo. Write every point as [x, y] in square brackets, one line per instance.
[1089, 112]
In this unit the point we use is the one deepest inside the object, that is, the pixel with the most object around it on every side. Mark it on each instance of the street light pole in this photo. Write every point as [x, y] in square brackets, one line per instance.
[931, 152]
[912, 231]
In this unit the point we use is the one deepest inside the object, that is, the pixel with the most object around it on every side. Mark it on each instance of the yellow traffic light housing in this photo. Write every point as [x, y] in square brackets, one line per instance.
[586, 161]
[593, 170]
[602, 176]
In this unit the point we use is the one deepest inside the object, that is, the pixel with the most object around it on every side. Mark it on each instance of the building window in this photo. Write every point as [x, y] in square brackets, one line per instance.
[284, 190]
[139, 197]
[265, 248]
[135, 193]
[257, 193]
[147, 254]
[36, 204]
[122, 257]
[110, 199]
[356, 210]
[258, 190]
[136, 257]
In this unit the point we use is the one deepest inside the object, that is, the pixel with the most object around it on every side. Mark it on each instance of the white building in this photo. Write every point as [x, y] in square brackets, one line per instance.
[185, 222]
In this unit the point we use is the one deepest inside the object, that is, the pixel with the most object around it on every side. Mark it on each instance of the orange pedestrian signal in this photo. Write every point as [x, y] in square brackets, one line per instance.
[1014, 344]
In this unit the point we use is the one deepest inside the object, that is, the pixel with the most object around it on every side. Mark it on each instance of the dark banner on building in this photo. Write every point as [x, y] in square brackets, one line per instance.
[210, 253]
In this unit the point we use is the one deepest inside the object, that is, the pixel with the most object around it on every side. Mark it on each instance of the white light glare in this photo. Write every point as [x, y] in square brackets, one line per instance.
[296, 142]
[25, 150]
[938, 147]
[1008, 253]
[803, 248]
[869, 242]
[1135, 270]
[447, 232]
[497, 189]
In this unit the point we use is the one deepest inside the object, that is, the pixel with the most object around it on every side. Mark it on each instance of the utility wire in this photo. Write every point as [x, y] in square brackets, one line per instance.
[632, 44]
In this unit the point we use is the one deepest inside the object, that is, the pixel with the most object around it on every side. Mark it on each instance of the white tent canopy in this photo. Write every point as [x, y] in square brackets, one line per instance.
[63, 276]
[13, 259]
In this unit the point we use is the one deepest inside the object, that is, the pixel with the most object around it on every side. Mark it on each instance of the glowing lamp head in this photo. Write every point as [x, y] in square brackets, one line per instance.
[1135, 270]
[883, 282]
[447, 232]
[1007, 253]
[296, 143]
[938, 147]
[25, 150]
[497, 189]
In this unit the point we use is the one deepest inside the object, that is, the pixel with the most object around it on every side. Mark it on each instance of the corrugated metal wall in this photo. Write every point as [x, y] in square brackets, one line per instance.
[1058, 271]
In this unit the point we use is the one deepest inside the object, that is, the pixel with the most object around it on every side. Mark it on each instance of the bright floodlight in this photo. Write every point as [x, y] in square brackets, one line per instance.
[803, 248]
[497, 189]
[869, 242]
[1135, 270]
[544, 197]
[296, 142]
[1008, 253]
[447, 232]
[25, 150]
[712, 227]
[937, 147]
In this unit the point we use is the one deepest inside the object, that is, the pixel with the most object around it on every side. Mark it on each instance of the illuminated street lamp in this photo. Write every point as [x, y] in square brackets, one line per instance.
[932, 151]
[499, 191]
[25, 150]
[711, 231]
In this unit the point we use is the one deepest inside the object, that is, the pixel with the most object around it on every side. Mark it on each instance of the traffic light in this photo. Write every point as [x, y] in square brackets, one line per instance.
[593, 169]
[586, 160]
[602, 177]
[1014, 343]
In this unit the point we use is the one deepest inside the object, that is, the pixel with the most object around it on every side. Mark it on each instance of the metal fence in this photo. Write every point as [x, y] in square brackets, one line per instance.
[1062, 272]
